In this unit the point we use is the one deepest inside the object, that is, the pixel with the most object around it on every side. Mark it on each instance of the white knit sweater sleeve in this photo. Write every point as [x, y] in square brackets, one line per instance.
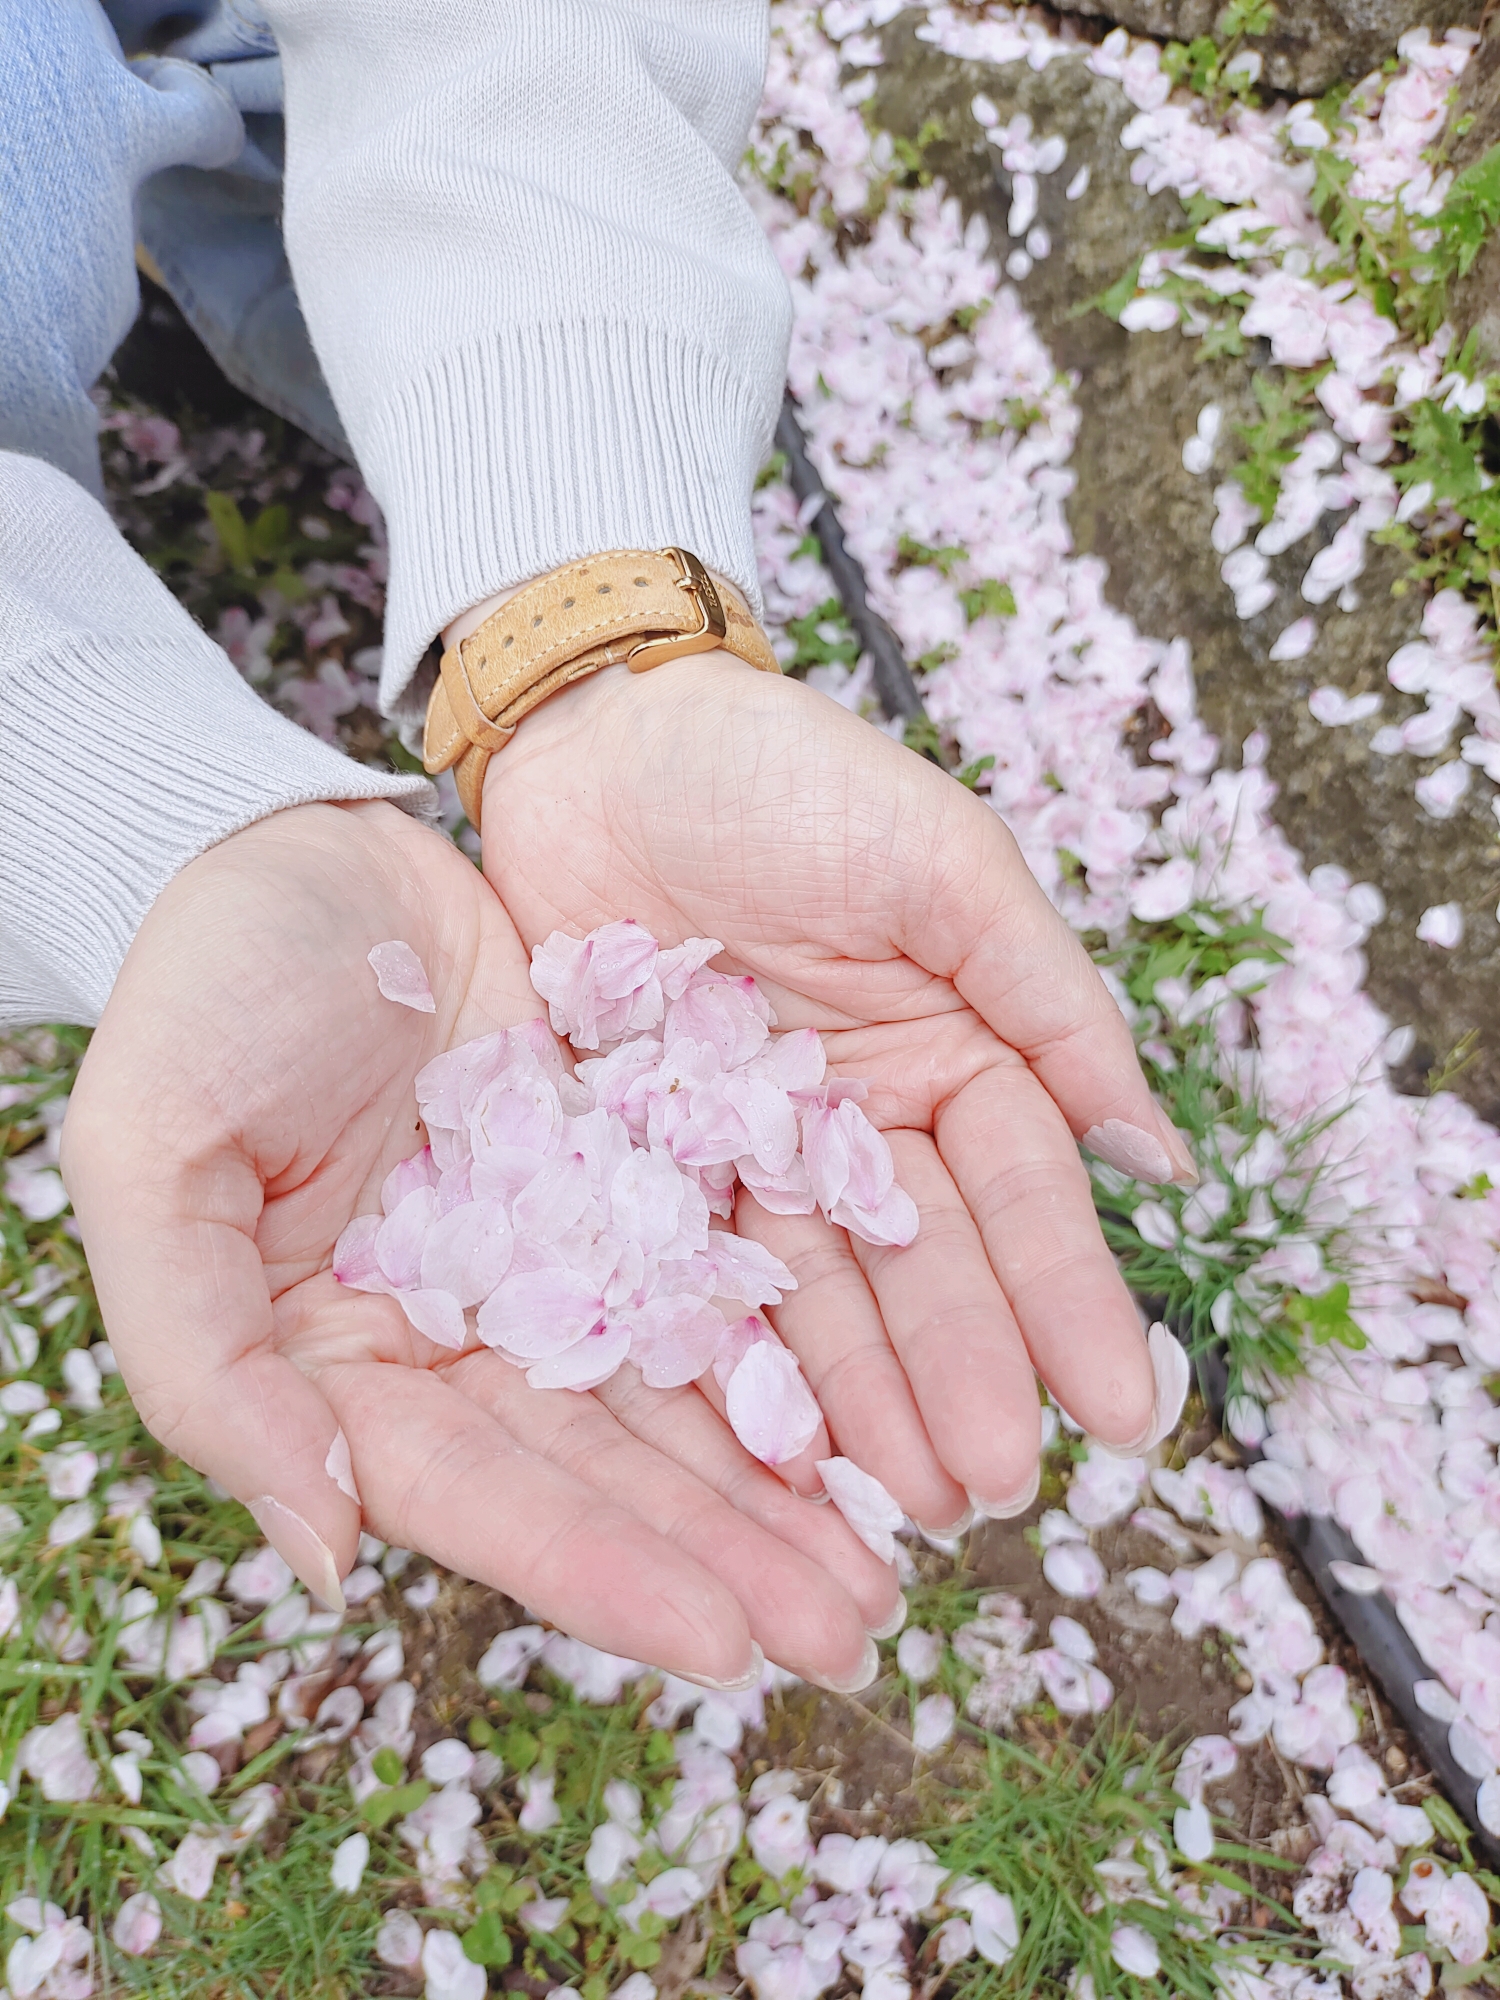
[548, 318]
[128, 745]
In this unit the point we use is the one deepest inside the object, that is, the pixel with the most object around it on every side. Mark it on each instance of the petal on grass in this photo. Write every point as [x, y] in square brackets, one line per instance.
[137, 1924]
[401, 977]
[350, 1859]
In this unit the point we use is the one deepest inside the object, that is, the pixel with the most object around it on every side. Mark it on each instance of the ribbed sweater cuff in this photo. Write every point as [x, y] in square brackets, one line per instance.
[119, 763]
[532, 445]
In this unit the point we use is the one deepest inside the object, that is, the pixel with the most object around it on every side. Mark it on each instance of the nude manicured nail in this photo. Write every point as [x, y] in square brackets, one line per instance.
[1129, 1150]
[1184, 1166]
[301, 1548]
[864, 1675]
[961, 1526]
[748, 1679]
[891, 1625]
[1006, 1510]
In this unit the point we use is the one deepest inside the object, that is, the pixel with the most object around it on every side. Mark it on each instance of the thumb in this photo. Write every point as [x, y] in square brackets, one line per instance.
[180, 117]
[185, 1303]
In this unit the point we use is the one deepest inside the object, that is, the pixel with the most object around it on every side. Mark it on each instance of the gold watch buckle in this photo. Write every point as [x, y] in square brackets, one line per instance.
[699, 585]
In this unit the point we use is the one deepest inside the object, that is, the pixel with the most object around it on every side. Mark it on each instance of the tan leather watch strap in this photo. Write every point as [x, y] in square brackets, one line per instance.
[630, 606]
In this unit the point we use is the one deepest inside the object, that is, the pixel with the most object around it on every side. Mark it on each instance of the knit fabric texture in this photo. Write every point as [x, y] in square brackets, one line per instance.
[128, 746]
[549, 322]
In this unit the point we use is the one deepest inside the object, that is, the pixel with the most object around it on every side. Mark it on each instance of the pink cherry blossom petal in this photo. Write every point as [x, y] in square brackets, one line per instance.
[645, 1198]
[673, 1341]
[339, 1465]
[407, 1176]
[586, 1363]
[354, 1260]
[675, 968]
[790, 1193]
[1170, 1366]
[137, 1924]
[535, 1314]
[736, 1343]
[770, 1407]
[767, 1115]
[467, 1251]
[402, 1237]
[746, 1270]
[894, 1220]
[438, 1315]
[864, 1504]
[401, 977]
[1073, 1569]
[554, 1201]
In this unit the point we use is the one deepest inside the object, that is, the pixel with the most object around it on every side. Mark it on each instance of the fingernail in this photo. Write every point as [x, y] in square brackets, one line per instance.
[1132, 1450]
[893, 1624]
[1006, 1510]
[301, 1548]
[1184, 1166]
[961, 1526]
[748, 1679]
[864, 1675]
[1129, 1150]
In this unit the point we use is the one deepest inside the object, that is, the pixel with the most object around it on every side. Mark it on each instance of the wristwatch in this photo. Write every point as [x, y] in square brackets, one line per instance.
[634, 607]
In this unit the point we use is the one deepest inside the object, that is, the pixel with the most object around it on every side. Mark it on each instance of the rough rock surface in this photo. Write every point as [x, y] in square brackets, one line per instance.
[1135, 505]
[1313, 42]
[1473, 129]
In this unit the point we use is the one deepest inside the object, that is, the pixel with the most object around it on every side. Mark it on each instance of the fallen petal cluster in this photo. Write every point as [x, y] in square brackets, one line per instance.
[569, 1213]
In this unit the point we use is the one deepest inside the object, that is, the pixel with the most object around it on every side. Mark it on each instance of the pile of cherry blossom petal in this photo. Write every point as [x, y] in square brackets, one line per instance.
[911, 436]
[568, 1211]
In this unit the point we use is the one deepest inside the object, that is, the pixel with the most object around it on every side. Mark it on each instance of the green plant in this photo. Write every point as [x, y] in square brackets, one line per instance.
[1193, 1254]
[1039, 1826]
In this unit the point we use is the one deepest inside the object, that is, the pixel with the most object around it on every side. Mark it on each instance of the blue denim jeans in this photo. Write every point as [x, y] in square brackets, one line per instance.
[213, 240]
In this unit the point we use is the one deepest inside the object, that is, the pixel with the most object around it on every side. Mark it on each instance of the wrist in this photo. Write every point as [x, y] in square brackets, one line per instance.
[514, 653]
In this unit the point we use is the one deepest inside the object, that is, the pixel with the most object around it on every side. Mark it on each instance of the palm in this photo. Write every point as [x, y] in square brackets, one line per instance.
[245, 1095]
[876, 900]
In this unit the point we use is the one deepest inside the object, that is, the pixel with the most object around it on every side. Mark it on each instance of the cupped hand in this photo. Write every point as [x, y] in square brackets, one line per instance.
[877, 900]
[244, 1096]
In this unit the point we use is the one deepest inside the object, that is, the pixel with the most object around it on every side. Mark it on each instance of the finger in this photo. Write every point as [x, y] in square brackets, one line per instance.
[983, 921]
[439, 1473]
[680, 1423]
[800, 1473]
[952, 1328]
[186, 1307]
[800, 1608]
[1019, 1173]
[833, 1325]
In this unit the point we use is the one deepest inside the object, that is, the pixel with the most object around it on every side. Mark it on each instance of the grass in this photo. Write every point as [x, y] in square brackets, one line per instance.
[1408, 267]
[1039, 1827]
[1037, 1822]
[273, 1924]
[1204, 1278]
